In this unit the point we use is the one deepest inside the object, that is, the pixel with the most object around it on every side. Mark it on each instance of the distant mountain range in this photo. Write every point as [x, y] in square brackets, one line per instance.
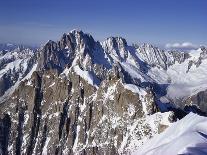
[81, 96]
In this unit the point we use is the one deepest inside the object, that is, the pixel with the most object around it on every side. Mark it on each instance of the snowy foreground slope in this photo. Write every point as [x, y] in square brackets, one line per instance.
[186, 136]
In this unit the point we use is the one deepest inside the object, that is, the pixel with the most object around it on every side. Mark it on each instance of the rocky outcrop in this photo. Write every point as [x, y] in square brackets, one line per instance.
[196, 103]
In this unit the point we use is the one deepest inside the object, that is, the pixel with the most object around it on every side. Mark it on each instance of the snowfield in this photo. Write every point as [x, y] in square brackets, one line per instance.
[186, 136]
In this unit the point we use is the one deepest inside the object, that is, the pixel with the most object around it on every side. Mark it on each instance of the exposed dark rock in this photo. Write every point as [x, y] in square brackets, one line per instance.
[5, 126]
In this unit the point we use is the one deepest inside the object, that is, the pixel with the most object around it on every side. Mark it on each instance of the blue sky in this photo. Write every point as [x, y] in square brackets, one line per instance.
[155, 21]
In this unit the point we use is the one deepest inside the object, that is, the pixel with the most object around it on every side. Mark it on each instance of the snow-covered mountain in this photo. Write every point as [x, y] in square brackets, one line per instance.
[81, 96]
[16, 65]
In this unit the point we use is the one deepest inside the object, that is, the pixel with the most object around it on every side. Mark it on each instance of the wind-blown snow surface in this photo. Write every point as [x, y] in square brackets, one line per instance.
[186, 136]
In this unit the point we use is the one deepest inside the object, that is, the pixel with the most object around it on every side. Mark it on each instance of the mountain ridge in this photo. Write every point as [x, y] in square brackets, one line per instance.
[81, 96]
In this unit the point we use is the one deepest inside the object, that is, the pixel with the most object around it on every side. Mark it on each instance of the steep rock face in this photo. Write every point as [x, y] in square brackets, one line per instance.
[65, 114]
[5, 124]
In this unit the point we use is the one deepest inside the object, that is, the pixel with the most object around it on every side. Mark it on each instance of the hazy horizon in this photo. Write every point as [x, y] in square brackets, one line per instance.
[162, 23]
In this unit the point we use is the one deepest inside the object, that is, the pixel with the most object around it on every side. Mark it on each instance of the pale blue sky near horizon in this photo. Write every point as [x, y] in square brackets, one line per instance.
[157, 22]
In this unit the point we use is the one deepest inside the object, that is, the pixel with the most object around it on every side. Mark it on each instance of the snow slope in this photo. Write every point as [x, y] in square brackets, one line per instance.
[186, 136]
[89, 77]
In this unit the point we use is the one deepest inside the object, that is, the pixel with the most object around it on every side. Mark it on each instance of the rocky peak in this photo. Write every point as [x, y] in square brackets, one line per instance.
[115, 43]
[116, 48]
[62, 53]
[76, 40]
[50, 46]
[49, 57]
[152, 55]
